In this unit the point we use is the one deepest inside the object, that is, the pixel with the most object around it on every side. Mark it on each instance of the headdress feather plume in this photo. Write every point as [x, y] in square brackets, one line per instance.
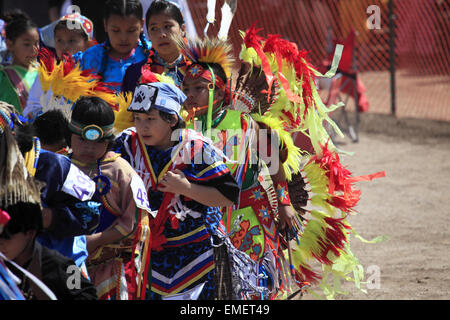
[208, 50]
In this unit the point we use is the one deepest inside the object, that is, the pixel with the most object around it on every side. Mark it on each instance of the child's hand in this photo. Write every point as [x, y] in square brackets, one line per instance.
[175, 182]
[286, 215]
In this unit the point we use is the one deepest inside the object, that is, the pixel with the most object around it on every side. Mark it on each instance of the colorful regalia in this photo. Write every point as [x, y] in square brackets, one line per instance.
[67, 191]
[16, 82]
[116, 269]
[46, 275]
[182, 259]
[135, 73]
[64, 82]
[275, 90]
[114, 69]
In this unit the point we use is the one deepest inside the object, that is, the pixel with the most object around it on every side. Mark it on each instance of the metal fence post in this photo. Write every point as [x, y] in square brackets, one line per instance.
[392, 54]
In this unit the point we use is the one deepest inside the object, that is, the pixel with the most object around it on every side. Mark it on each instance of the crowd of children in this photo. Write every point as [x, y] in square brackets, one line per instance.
[162, 181]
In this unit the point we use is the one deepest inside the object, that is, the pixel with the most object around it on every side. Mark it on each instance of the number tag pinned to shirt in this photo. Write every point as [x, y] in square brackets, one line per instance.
[78, 184]
[140, 195]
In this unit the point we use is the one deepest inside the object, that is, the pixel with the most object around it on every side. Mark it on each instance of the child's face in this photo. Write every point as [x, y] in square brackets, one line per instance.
[70, 41]
[87, 151]
[197, 93]
[160, 29]
[153, 130]
[13, 247]
[25, 48]
[123, 33]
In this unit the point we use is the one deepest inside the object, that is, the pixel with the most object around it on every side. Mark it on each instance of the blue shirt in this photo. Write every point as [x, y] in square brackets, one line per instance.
[114, 72]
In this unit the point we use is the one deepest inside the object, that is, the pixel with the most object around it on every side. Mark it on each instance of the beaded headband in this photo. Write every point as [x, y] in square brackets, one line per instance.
[91, 132]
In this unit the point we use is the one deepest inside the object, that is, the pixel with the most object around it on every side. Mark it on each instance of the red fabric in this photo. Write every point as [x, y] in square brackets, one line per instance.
[346, 65]
[343, 195]
[4, 217]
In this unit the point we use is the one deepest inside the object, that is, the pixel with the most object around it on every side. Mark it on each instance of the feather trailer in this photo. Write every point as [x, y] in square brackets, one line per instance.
[250, 90]
[297, 103]
[342, 193]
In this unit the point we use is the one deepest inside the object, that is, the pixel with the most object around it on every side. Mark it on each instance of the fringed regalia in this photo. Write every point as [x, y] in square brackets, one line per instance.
[182, 259]
[275, 90]
[117, 269]
[135, 73]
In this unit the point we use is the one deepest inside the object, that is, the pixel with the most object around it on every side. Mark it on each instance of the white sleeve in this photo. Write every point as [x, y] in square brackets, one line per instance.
[33, 107]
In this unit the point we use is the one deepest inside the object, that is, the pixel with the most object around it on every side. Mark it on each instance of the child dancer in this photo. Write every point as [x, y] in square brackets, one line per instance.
[186, 181]
[20, 200]
[123, 224]
[22, 40]
[125, 44]
[164, 20]
[65, 195]
[208, 103]
[72, 35]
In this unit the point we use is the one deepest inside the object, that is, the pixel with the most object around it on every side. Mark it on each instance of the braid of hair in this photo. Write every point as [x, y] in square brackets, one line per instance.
[106, 49]
[144, 44]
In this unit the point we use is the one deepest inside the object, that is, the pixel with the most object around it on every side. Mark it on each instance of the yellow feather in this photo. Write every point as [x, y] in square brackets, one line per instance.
[123, 118]
[209, 51]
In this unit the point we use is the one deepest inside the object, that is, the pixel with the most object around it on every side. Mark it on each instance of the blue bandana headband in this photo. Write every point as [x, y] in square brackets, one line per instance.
[161, 96]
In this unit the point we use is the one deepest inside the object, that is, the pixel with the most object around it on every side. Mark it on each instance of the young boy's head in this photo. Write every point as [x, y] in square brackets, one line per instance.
[73, 33]
[156, 112]
[197, 82]
[20, 231]
[52, 130]
[91, 126]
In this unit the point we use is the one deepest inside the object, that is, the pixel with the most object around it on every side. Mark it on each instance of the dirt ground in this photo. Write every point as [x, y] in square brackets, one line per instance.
[411, 206]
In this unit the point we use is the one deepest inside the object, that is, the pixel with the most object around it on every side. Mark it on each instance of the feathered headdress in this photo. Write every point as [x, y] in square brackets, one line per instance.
[66, 79]
[208, 51]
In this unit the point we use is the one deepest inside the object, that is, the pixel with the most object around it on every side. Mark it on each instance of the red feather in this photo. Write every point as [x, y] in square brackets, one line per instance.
[307, 275]
[147, 76]
[297, 58]
[339, 180]
[47, 58]
[251, 38]
[68, 64]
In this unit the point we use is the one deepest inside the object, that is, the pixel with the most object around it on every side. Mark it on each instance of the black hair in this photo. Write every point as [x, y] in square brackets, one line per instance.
[24, 134]
[17, 23]
[164, 7]
[52, 127]
[122, 8]
[63, 25]
[93, 110]
[25, 216]
[169, 118]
